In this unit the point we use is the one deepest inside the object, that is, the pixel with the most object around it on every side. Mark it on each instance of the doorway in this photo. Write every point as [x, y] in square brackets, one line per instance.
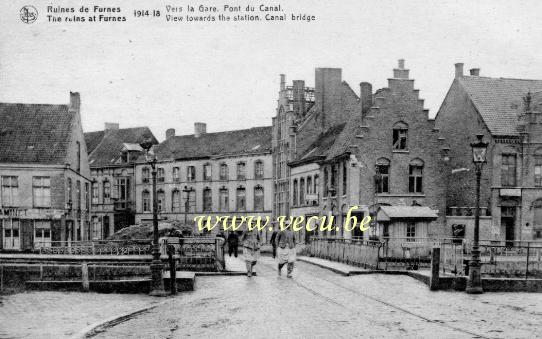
[508, 220]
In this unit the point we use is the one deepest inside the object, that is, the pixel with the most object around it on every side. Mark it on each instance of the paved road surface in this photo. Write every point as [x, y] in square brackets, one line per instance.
[317, 303]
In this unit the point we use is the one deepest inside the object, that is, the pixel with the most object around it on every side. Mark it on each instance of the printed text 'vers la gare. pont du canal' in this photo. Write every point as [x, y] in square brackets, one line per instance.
[227, 12]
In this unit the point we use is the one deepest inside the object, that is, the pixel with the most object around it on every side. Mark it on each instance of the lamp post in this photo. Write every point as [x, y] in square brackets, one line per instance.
[157, 283]
[186, 203]
[474, 283]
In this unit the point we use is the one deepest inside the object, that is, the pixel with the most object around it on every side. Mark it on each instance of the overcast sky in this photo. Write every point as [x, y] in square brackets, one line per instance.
[162, 75]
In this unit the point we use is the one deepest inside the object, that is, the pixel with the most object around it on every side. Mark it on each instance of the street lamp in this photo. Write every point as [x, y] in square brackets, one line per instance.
[186, 203]
[157, 284]
[474, 283]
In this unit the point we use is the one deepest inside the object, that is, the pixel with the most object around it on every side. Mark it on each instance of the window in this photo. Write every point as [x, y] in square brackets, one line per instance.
[538, 169]
[508, 170]
[334, 178]
[410, 231]
[78, 194]
[382, 178]
[537, 220]
[223, 172]
[122, 189]
[258, 169]
[95, 193]
[69, 190]
[41, 187]
[326, 183]
[316, 188]
[241, 199]
[96, 228]
[302, 191]
[10, 190]
[415, 176]
[241, 168]
[345, 177]
[42, 233]
[161, 175]
[309, 185]
[106, 190]
[175, 201]
[191, 173]
[258, 198]
[161, 197]
[207, 200]
[176, 174]
[191, 201]
[87, 196]
[207, 172]
[146, 199]
[295, 192]
[146, 174]
[78, 150]
[400, 131]
[11, 237]
[224, 200]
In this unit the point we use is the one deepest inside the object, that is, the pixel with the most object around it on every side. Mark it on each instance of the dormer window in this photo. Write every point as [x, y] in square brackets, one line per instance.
[400, 133]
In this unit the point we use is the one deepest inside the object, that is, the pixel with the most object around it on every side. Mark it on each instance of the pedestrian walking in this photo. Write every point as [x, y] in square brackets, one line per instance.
[221, 243]
[286, 251]
[251, 249]
[273, 242]
[233, 242]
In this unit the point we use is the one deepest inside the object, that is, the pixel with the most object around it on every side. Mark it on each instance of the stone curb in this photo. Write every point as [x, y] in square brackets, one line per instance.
[335, 270]
[100, 326]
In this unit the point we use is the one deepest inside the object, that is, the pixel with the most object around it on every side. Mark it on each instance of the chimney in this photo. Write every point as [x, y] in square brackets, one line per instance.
[459, 70]
[400, 72]
[199, 129]
[111, 126]
[170, 132]
[327, 93]
[282, 82]
[298, 92]
[75, 101]
[475, 72]
[366, 96]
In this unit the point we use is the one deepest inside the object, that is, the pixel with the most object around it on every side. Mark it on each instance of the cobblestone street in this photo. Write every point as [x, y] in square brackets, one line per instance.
[319, 303]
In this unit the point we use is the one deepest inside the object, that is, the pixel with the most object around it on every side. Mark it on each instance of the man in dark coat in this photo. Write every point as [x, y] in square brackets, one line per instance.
[233, 242]
[273, 242]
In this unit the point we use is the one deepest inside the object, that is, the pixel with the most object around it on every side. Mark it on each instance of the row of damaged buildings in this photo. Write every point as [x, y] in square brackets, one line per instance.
[329, 148]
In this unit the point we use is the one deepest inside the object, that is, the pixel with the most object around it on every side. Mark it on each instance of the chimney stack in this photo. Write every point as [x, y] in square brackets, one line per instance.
[400, 72]
[298, 90]
[111, 126]
[170, 132]
[475, 72]
[199, 129]
[327, 94]
[366, 96]
[282, 82]
[458, 69]
[75, 101]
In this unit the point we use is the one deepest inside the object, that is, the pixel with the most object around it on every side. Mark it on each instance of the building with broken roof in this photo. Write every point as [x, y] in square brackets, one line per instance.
[379, 151]
[45, 177]
[213, 174]
[112, 156]
[508, 113]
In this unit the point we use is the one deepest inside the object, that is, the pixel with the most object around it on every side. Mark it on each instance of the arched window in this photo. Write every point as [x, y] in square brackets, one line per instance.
[161, 176]
[241, 201]
[241, 171]
[316, 187]
[146, 200]
[224, 200]
[309, 185]
[258, 169]
[207, 172]
[345, 177]
[382, 178]
[302, 191]
[258, 198]
[223, 172]
[207, 200]
[106, 190]
[400, 134]
[175, 201]
[294, 190]
[161, 196]
[190, 173]
[176, 174]
[415, 176]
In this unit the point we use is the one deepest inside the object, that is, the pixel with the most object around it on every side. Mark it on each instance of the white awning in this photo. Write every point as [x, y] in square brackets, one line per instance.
[386, 213]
